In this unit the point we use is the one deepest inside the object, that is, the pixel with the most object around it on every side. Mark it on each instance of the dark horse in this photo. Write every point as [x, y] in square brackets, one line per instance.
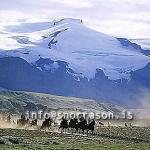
[64, 124]
[23, 121]
[90, 126]
[73, 124]
[46, 123]
[82, 124]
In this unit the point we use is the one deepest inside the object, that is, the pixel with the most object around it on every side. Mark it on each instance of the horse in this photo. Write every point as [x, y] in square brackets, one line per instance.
[46, 123]
[63, 124]
[90, 126]
[23, 121]
[73, 124]
[82, 124]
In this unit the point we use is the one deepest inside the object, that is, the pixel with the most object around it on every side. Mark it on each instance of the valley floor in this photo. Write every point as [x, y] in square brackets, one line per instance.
[20, 139]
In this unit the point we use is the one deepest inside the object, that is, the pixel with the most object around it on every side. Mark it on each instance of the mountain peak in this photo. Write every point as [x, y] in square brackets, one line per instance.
[69, 21]
[68, 40]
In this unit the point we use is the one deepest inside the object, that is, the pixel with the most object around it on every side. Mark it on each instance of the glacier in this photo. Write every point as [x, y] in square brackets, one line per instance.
[71, 41]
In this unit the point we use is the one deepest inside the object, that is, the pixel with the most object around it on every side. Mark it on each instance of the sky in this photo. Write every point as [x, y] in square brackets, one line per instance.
[121, 18]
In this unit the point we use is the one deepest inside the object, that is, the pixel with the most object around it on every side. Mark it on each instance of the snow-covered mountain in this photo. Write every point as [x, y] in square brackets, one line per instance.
[71, 41]
[65, 57]
[145, 43]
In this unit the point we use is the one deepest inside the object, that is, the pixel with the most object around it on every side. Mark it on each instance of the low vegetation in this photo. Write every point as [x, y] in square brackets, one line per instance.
[119, 139]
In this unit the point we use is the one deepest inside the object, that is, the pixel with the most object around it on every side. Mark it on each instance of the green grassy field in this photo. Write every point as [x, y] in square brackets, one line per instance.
[41, 140]
[105, 138]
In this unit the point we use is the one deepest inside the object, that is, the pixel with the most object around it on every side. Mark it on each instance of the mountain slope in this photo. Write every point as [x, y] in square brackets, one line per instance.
[66, 58]
[84, 49]
[18, 102]
[145, 45]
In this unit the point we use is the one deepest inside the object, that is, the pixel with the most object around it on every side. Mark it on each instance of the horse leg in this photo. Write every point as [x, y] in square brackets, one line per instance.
[92, 131]
[87, 132]
[79, 131]
[82, 131]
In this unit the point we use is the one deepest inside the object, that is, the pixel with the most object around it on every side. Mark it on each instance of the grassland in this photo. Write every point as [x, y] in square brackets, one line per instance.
[105, 138]
[41, 140]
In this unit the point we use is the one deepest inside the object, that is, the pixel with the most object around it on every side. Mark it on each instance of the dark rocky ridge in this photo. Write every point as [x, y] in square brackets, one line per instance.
[17, 74]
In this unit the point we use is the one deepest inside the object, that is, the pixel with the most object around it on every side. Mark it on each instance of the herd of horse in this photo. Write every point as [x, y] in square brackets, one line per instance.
[74, 124]
[80, 125]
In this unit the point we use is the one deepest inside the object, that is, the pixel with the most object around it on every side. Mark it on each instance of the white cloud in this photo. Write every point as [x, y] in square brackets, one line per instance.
[76, 3]
[127, 18]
